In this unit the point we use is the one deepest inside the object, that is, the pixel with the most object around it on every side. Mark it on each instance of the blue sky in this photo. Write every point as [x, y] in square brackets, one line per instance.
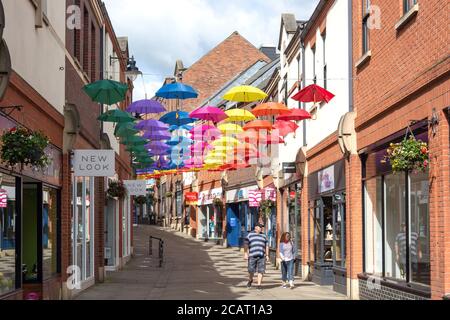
[162, 31]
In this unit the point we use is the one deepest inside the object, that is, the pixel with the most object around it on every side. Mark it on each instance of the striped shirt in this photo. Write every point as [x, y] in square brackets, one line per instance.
[256, 244]
[401, 243]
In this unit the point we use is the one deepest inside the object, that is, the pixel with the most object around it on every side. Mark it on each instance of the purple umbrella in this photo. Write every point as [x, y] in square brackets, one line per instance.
[152, 125]
[209, 113]
[157, 135]
[146, 107]
[157, 145]
[160, 152]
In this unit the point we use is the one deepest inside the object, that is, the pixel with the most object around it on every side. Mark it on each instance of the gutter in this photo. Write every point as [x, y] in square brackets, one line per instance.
[350, 56]
[314, 18]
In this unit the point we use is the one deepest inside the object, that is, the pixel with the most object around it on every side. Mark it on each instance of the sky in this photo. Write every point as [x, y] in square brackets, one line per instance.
[163, 31]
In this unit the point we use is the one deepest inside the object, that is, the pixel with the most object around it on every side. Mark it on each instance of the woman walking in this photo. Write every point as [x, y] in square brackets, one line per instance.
[287, 260]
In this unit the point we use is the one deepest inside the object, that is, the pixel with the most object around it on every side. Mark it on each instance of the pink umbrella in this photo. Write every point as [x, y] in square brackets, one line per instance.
[205, 132]
[209, 113]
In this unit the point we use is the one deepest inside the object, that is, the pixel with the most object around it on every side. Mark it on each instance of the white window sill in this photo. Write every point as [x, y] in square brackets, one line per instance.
[366, 57]
[407, 17]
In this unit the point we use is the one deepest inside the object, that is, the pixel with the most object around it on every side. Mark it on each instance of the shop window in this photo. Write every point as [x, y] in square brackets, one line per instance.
[373, 226]
[49, 233]
[8, 261]
[365, 25]
[125, 227]
[408, 5]
[295, 218]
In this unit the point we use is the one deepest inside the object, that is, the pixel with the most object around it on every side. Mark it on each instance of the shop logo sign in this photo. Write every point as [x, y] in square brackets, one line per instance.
[94, 163]
[254, 198]
[136, 187]
[326, 179]
[3, 198]
[74, 280]
[270, 194]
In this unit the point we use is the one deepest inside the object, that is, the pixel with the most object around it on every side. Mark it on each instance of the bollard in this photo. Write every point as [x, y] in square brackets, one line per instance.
[150, 246]
[161, 253]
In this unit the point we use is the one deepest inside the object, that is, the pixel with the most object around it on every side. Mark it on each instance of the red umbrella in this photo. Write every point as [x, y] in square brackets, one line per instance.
[258, 125]
[254, 137]
[270, 109]
[295, 115]
[313, 93]
[285, 127]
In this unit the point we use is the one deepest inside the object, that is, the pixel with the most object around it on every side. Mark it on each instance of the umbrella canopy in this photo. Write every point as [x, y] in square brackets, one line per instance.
[230, 128]
[178, 118]
[245, 94]
[134, 141]
[152, 125]
[226, 141]
[237, 115]
[125, 130]
[313, 93]
[202, 145]
[255, 137]
[183, 141]
[146, 107]
[117, 116]
[285, 127]
[157, 135]
[205, 132]
[157, 145]
[160, 152]
[270, 109]
[258, 125]
[209, 113]
[183, 127]
[177, 91]
[295, 115]
[106, 92]
[135, 149]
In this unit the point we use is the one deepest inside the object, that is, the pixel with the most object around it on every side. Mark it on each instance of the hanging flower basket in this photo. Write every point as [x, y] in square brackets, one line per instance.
[116, 190]
[266, 207]
[141, 200]
[22, 147]
[410, 155]
[218, 202]
[169, 194]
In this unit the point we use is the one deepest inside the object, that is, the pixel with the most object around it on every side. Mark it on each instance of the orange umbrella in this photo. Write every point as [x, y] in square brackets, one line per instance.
[258, 125]
[270, 109]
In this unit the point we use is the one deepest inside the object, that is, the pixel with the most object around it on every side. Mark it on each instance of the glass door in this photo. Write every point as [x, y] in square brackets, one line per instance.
[339, 218]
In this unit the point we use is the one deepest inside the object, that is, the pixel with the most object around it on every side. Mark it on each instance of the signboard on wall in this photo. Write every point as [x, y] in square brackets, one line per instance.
[136, 187]
[254, 198]
[270, 194]
[207, 197]
[289, 167]
[3, 198]
[94, 163]
[326, 179]
[191, 198]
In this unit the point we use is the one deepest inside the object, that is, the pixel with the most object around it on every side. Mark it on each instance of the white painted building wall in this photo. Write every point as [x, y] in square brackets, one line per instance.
[38, 54]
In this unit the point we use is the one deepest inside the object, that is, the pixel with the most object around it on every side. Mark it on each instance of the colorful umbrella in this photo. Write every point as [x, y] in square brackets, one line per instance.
[285, 127]
[313, 93]
[152, 125]
[205, 132]
[209, 113]
[178, 118]
[134, 141]
[157, 145]
[270, 109]
[134, 148]
[226, 141]
[157, 135]
[117, 116]
[146, 107]
[183, 127]
[177, 91]
[125, 130]
[106, 92]
[258, 125]
[230, 128]
[245, 94]
[295, 115]
[175, 141]
[237, 115]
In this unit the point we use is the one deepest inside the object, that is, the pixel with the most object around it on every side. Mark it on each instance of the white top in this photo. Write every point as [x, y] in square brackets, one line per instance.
[287, 251]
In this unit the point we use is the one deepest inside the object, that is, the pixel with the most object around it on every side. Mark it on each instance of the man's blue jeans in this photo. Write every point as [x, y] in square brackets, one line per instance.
[287, 270]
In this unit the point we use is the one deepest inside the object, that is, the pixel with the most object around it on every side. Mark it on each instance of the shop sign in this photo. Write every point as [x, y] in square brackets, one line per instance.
[136, 187]
[3, 198]
[254, 198]
[207, 197]
[191, 198]
[289, 167]
[326, 179]
[270, 194]
[94, 163]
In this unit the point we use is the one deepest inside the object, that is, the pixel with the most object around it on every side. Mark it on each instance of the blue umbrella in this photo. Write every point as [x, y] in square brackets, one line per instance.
[177, 118]
[177, 90]
[183, 127]
[175, 141]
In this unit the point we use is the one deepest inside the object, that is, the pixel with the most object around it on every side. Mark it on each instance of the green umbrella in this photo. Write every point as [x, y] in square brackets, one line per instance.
[134, 148]
[106, 92]
[125, 130]
[134, 141]
[117, 116]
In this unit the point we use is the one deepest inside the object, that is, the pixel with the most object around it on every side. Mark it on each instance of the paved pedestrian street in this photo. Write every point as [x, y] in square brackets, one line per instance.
[193, 270]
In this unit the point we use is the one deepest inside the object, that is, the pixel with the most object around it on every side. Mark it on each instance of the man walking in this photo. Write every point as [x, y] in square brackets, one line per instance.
[256, 252]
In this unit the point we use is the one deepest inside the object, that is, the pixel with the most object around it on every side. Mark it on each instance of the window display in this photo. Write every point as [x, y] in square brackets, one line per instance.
[49, 232]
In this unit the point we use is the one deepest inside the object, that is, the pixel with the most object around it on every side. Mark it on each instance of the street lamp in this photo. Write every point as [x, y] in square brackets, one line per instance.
[132, 70]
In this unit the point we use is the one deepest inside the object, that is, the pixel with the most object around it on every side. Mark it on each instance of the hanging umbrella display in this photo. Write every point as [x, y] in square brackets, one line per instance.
[116, 116]
[183, 127]
[205, 132]
[157, 145]
[134, 148]
[313, 93]
[230, 128]
[238, 115]
[106, 92]
[295, 115]
[177, 118]
[245, 94]
[209, 113]
[226, 141]
[160, 152]
[157, 135]
[134, 141]
[179, 141]
[146, 107]
[125, 130]
[284, 127]
[177, 91]
[259, 125]
[152, 125]
[270, 109]
[253, 137]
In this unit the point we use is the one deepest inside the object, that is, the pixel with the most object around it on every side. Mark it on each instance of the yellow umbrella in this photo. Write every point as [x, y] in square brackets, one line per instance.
[235, 115]
[226, 142]
[245, 94]
[230, 128]
[213, 163]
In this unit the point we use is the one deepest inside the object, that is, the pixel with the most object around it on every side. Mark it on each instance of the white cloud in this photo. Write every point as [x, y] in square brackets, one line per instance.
[160, 32]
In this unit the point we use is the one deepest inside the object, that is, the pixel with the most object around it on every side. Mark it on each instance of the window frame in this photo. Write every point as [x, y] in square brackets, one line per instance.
[365, 35]
[408, 5]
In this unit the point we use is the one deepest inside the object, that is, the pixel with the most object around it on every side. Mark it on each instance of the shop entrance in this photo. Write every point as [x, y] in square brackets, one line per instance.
[111, 225]
[233, 225]
[31, 259]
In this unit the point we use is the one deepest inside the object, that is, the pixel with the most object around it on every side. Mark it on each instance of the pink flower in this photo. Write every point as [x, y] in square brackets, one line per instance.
[425, 163]
[12, 130]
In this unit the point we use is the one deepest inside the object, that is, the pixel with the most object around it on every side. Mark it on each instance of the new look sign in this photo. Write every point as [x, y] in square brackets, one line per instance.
[94, 163]
[136, 187]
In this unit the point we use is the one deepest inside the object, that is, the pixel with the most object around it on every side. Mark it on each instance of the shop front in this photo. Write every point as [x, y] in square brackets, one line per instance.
[327, 219]
[241, 217]
[210, 215]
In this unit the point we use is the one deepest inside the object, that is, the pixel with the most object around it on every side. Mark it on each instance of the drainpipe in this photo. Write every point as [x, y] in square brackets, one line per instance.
[102, 65]
[302, 44]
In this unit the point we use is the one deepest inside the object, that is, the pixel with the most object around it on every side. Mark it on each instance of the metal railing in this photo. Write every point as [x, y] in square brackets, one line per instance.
[160, 249]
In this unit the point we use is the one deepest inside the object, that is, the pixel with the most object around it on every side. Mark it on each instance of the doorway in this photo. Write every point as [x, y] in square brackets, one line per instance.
[110, 234]
[32, 222]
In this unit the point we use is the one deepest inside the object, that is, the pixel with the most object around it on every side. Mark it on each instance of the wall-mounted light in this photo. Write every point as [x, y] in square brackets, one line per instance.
[132, 72]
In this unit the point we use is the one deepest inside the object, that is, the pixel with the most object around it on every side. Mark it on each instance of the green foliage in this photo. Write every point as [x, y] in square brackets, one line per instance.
[408, 155]
[140, 200]
[23, 147]
[116, 189]
[266, 207]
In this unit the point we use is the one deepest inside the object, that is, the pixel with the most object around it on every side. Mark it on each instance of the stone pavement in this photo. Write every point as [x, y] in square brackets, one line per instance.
[193, 270]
